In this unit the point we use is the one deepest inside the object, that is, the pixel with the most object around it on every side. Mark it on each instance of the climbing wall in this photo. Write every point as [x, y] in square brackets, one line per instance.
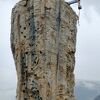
[43, 40]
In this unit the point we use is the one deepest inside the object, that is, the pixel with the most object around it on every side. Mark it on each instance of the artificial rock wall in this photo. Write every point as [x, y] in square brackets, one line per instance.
[43, 40]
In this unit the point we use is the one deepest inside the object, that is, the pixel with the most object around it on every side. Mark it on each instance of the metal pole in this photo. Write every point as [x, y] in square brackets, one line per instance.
[72, 2]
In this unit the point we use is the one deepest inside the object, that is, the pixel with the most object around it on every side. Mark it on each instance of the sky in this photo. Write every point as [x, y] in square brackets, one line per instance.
[87, 49]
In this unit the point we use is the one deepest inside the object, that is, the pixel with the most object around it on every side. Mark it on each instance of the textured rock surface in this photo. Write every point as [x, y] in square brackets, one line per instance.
[43, 40]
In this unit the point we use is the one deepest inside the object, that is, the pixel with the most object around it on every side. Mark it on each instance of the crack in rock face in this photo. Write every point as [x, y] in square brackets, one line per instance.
[43, 43]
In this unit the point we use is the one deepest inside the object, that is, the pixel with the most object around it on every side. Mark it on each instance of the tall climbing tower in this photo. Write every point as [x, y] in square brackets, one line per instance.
[43, 43]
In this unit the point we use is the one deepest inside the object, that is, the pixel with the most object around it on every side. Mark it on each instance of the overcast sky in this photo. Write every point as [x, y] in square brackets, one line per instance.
[88, 46]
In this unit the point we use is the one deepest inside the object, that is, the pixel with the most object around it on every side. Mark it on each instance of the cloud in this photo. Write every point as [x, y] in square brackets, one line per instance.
[7, 67]
[8, 95]
[88, 39]
[88, 3]
[9, 0]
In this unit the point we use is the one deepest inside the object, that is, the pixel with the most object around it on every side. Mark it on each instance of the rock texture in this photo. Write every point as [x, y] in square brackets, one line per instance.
[43, 40]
